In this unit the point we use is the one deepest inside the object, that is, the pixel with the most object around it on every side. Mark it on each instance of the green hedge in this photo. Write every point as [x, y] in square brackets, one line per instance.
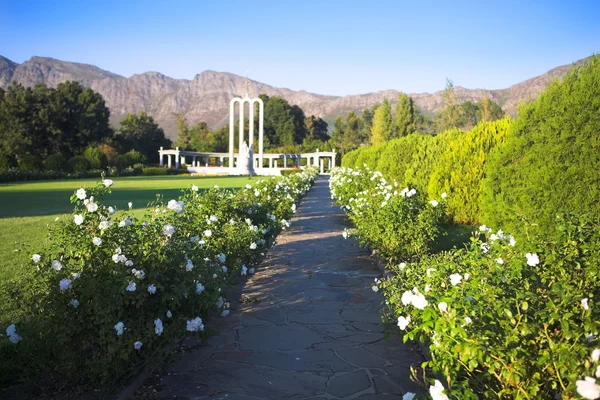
[459, 170]
[56, 162]
[287, 172]
[30, 164]
[451, 162]
[551, 162]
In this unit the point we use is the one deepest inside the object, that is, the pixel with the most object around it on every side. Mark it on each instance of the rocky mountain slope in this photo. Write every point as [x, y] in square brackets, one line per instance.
[206, 97]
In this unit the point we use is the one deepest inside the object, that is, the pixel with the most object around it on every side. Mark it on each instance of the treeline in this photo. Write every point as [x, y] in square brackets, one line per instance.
[286, 129]
[67, 129]
[384, 122]
[517, 175]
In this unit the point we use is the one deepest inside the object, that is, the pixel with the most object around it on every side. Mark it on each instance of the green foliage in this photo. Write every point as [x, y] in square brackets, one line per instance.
[7, 162]
[406, 116]
[154, 275]
[95, 157]
[157, 171]
[42, 121]
[504, 321]
[56, 162]
[141, 133]
[484, 110]
[449, 117]
[459, 171]
[551, 161]
[316, 128]
[288, 172]
[79, 164]
[284, 124]
[383, 124]
[30, 163]
[399, 224]
[135, 157]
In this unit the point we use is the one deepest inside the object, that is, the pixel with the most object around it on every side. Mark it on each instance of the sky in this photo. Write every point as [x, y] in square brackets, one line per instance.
[328, 46]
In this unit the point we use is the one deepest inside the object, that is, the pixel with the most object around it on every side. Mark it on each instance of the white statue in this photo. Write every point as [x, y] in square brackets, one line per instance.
[245, 160]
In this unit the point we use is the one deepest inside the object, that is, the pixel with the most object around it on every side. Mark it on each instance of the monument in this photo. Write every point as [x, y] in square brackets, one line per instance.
[246, 150]
[245, 162]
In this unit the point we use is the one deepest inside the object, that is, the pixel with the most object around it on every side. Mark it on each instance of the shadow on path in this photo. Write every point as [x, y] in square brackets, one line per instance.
[308, 325]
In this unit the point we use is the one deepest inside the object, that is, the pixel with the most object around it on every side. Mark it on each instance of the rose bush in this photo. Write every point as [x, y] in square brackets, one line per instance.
[507, 320]
[399, 223]
[111, 291]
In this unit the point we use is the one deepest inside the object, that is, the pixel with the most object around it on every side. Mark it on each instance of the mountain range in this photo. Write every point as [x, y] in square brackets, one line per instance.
[206, 97]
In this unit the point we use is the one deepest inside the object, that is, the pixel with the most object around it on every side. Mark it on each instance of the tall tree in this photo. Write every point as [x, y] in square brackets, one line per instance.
[449, 117]
[383, 124]
[488, 110]
[406, 116]
[316, 128]
[141, 133]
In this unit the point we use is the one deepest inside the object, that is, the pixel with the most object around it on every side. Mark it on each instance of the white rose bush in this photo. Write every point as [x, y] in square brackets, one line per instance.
[398, 222]
[502, 318]
[106, 298]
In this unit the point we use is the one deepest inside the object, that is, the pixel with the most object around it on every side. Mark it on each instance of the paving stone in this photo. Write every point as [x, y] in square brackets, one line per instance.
[385, 385]
[278, 337]
[308, 326]
[361, 357]
[347, 384]
[315, 316]
[361, 316]
[312, 360]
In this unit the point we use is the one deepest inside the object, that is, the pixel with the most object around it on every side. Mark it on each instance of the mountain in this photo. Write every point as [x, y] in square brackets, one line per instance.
[206, 97]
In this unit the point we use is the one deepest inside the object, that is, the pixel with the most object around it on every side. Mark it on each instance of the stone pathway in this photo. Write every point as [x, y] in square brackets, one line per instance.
[307, 327]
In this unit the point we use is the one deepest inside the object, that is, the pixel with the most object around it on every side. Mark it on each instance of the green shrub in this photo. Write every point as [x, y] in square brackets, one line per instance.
[504, 321]
[155, 171]
[79, 164]
[7, 162]
[551, 161]
[30, 164]
[56, 162]
[155, 276]
[395, 156]
[135, 157]
[399, 223]
[459, 171]
[287, 172]
[95, 157]
[349, 159]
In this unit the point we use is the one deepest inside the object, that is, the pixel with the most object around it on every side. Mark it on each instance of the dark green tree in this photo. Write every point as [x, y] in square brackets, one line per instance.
[141, 133]
[449, 117]
[406, 116]
[316, 128]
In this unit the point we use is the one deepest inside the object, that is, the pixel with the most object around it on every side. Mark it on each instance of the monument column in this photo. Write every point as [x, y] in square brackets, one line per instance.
[161, 155]
[177, 158]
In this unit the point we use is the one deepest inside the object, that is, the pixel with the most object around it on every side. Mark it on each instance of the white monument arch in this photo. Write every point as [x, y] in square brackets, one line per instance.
[245, 162]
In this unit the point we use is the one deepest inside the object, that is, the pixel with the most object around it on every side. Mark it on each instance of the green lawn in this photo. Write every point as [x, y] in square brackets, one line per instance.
[26, 208]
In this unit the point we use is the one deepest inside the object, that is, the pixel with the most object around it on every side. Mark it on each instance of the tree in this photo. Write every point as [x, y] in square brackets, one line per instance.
[280, 124]
[42, 121]
[406, 116]
[316, 128]
[81, 117]
[488, 110]
[383, 124]
[468, 115]
[367, 117]
[449, 117]
[141, 133]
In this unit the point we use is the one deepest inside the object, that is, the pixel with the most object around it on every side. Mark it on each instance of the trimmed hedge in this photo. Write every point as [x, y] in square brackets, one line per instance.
[551, 162]
[30, 164]
[56, 162]
[459, 170]
[451, 162]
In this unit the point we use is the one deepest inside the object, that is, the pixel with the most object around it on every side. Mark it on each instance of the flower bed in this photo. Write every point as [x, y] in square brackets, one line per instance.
[501, 319]
[111, 291]
[399, 223]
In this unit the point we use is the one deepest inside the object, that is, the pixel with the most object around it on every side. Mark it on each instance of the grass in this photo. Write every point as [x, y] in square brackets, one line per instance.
[26, 208]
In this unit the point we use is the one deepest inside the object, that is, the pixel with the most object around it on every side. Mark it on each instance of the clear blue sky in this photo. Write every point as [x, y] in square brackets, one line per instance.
[326, 46]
